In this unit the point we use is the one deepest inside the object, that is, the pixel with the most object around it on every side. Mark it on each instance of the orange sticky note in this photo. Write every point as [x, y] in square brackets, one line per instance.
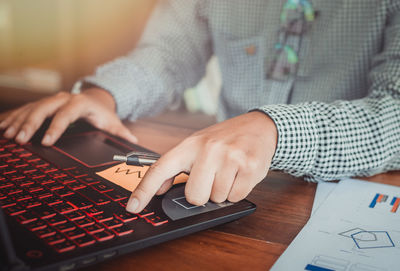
[129, 177]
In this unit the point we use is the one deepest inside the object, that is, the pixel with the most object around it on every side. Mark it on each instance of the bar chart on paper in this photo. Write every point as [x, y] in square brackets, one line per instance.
[354, 229]
[392, 204]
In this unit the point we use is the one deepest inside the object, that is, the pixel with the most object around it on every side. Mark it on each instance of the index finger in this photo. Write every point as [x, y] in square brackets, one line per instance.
[169, 165]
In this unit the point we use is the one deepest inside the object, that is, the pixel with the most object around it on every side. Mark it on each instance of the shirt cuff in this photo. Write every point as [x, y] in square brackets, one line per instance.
[124, 82]
[296, 149]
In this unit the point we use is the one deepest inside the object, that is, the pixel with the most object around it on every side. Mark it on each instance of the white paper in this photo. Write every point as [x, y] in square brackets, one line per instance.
[347, 233]
[322, 192]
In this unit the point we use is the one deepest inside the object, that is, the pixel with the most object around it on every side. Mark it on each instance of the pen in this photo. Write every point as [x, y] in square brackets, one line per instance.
[137, 158]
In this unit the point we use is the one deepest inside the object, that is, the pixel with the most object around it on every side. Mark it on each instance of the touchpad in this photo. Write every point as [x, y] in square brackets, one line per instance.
[91, 149]
[175, 206]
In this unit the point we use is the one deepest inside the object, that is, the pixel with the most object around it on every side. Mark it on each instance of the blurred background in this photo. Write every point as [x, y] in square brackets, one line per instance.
[47, 45]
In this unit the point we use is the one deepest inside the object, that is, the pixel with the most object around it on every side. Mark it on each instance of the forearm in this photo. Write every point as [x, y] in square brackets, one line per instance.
[342, 139]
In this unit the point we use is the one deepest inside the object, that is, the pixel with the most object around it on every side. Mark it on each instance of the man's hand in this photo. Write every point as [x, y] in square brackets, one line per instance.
[225, 162]
[95, 105]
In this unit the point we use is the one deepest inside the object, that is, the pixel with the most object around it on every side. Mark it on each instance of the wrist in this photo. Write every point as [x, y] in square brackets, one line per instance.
[267, 127]
[102, 96]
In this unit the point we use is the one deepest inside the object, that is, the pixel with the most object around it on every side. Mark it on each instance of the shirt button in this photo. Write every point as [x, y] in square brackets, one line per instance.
[250, 50]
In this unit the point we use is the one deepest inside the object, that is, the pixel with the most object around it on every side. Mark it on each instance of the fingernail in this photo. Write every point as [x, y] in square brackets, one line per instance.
[2, 124]
[21, 136]
[10, 131]
[132, 205]
[46, 140]
[134, 139]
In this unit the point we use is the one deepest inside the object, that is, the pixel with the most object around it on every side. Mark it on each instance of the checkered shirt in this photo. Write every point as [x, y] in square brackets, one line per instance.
[338, 117]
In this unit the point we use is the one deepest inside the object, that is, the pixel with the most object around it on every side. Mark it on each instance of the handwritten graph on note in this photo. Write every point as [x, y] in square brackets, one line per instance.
[129, 177]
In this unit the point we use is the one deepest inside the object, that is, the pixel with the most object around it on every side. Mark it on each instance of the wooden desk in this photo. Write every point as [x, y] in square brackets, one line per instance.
[252, 243]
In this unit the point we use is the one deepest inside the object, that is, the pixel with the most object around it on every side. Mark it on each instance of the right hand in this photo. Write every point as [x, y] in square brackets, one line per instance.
[94, 105]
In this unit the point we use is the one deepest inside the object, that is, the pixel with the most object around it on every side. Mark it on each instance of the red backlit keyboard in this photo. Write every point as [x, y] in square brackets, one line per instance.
[64, 207]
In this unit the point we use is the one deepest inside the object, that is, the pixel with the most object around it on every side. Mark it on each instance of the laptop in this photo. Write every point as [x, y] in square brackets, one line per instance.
[58, 214]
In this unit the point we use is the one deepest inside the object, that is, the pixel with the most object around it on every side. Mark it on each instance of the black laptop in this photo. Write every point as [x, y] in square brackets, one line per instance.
[58, 214]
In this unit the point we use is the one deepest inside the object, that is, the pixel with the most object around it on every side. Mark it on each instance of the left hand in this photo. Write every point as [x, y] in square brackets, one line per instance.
[225, 162]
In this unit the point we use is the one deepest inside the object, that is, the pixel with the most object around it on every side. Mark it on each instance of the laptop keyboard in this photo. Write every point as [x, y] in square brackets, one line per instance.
[64, 207]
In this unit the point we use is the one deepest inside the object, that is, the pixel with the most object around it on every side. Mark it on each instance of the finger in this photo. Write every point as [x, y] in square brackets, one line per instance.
[223, 183]
[169, 165]
[36, 118]
[201, 178]
[165, 186]
[247, 177]
[15, 126]
[64, 117]
[122, 131]
[11, 116]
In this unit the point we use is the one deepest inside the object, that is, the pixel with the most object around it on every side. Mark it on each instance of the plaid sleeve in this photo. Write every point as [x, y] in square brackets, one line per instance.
[170, 57]
[346, 138]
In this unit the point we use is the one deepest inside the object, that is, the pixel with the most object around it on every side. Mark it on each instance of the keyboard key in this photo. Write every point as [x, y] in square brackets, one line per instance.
[14, 190]
[76, 233]
[53, 186]
[76, 172]
[145, 213]
[88, 180]
[56, 220]
[64, 227]
[94, 196]
[25, 182]
[78, 201]
[36, 162]
[102, 187]
[46, 232]
[115, 195]
[75, 215]
[36, 225]
[50, 199]
[103, 236]
[93, 211]
[25, 218]
[156, 220]
[76, 185]
[30, 203]
[57, 174]
[63, 192]
[94, 228]
[3, 194]
[45, 180]
[55, 239]
[113, 223]
[5, 184]
[123, 230]
[44, 211]
[24, 153]
[105, 216]
[84, 241]
[47, 168]
[64, 208]
[7, 202]
[22, 195]
[35, 188]
[34, 173]
[124, 216]
[64, 246]
[85, 222]
[15, 210]
[66, 180]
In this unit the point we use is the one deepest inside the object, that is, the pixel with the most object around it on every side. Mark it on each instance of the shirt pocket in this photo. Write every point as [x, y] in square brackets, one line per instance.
[241, 61]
